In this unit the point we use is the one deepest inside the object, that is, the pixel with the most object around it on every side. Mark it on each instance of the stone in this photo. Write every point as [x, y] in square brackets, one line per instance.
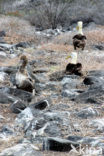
[22, 45]
[7, 130]
[2, 34]
[70, 87]
[24, 119]
[93, 95]
[21, 94]
[90, 80]
[17, 106]
[99, 47]
[24, 149]
[41, 105]
[58, 144]
[3, 76]
[87, 113]
[98, 124]
[8, 70]
[7, 98]
[6, 46]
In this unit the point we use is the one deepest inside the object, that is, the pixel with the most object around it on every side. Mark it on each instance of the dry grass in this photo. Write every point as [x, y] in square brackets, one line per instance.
[96, 36]
[56, 47]
[17, 30]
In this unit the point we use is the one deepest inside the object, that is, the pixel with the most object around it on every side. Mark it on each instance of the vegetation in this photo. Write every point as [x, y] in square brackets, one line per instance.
[53, 13]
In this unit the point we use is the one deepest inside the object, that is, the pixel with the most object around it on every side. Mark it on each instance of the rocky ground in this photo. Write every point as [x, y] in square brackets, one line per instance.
[65, 117]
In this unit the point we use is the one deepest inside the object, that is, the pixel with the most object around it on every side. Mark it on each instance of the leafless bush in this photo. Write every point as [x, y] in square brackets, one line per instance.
[50, 14]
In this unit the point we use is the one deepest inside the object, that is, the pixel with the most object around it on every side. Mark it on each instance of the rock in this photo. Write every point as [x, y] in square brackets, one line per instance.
[3, 54]
[99, 47]
[98, 124]
[70, 93]
[57, 76]
[8, 70]
[22, 45]
[17, 106]
[7, 98]
[2, 34]
[2, 40]
[24, 118]
[1, 118]
[6, 46]
[92, 95]
[87, 112]
[3, 76]
[24, 149]
[7, 130]
[58, 144]
[70, 87]
[96, 73]
[90, 80]
[88, 141]
[41, 105]
[21, 94]
[6, 133]
[49, 86]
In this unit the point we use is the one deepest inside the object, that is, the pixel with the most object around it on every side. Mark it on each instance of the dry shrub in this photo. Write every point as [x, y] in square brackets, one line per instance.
[96, 36]
[57, 47]
[14, 13]
[17, 30]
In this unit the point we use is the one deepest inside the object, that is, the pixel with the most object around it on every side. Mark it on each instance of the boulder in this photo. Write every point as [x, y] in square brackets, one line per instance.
[21, 94]
[17, 106]
[87, 113]
[58, 144]
[24, 149]
[41, 105]
[2, 34]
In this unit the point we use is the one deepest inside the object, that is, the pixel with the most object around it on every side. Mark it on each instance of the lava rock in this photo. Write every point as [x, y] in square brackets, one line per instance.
[7, 130]
[24, 149]
[90, 80]
[8, 70]
[92, 95]
[87, 112]
[21, 94]
[41, 105]
[7, 98]
[22, 44]
[99, 47]
[58, 144]
[2, 34]
[17, 106]
[98, 124]
[24, 118]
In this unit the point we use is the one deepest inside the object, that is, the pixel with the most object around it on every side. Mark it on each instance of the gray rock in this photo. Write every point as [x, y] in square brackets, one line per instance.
[18, 93]
[6, 46]
[8, 70]
[7, 130]
[93, 95]
[72, 93]
[22, 44]
[70, 84]
[24, 149]
[2, 33]
[3, 76]
[87, 112]
[24, 119]
[58, 144]
[98, 124]
[41, 105]
[7, 98]
[17, 106]
[90, 80]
